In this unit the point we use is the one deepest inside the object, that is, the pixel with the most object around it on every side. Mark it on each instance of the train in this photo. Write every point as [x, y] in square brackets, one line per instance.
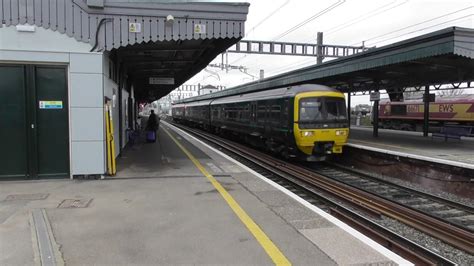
[409, 114]
[306, 122]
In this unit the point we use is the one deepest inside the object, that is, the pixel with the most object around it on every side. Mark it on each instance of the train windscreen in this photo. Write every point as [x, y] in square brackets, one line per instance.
[322, 112]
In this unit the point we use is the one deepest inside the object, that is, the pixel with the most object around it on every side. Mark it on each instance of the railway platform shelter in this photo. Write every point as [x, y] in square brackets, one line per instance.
[425, 63]
[63, 62]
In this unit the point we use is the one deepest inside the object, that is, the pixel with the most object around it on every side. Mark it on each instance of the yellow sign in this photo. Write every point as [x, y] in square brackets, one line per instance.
[134, 27]
[200, 28]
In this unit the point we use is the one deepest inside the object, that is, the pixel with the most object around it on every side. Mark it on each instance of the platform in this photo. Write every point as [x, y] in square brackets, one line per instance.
[165, 208]
[413, 144]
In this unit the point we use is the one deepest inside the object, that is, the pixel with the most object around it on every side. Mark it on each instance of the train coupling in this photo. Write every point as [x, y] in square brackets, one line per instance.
[323, 148]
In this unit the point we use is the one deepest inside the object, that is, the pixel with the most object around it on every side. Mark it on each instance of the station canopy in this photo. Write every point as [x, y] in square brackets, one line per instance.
[441, 57]
[167, 41]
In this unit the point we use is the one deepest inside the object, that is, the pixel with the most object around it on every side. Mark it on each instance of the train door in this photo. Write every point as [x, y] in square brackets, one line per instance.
[268, 125]
[34, 133]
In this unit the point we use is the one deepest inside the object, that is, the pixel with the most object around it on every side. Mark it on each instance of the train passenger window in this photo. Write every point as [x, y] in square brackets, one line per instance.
[254, 113]
[284, 114]
[275, 113]
[261, 112]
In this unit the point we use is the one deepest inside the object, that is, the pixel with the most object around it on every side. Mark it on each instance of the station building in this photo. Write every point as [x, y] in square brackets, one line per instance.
[63, 62]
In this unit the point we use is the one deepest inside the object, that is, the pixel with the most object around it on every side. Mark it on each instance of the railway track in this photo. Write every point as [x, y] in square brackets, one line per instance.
[308, 180]
[456, 214]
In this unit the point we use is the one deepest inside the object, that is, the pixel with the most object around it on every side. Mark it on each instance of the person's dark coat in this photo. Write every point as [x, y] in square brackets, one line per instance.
[152, 123]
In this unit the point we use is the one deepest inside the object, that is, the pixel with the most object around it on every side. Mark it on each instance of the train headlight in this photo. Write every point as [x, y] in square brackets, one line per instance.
[307, 133]
[341, 132]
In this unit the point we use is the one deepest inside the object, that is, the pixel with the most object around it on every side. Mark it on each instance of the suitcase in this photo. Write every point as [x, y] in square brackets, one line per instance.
[151, 136]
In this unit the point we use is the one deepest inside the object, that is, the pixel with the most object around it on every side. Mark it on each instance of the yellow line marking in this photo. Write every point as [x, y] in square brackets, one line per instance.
[272, 250]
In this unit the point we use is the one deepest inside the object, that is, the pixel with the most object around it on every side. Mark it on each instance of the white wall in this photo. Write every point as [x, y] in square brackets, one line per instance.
[109, 88]
[86, 88]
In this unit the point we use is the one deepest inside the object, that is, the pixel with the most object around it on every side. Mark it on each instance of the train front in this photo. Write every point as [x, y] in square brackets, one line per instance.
[321, 126]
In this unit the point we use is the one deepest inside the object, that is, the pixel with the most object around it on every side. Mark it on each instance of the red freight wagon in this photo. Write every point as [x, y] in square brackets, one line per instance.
[408, 115]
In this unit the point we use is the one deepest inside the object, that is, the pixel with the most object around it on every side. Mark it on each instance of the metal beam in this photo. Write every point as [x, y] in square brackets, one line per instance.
[292, 48]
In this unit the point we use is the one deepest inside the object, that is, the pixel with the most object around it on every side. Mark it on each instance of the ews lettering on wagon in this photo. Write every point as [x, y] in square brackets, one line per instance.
[446, 108]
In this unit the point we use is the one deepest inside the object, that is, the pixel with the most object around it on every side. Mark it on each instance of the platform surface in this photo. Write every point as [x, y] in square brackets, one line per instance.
[459, 152]
[161, 209]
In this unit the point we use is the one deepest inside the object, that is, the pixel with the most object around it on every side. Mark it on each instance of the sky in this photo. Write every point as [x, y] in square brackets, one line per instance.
[343, 22]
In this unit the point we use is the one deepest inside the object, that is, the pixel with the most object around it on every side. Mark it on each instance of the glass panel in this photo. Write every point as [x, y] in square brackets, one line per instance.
[311, 110]
[319, 112]
[336, 109]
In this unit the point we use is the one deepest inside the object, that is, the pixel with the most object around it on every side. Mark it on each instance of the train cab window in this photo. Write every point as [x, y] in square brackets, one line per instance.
[336, 108]
[317, 112]
[398, 109]
[311, 110]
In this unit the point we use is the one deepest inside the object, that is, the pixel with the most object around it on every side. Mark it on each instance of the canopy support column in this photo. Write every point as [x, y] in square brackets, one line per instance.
[375, 121]
[349, 108]
[426, 112]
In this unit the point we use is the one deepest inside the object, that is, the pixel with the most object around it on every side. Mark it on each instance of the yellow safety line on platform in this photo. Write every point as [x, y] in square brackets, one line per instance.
[272, 250]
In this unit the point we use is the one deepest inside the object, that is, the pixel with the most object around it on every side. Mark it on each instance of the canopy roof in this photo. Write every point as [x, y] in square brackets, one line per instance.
[162, 39]
[441, 57]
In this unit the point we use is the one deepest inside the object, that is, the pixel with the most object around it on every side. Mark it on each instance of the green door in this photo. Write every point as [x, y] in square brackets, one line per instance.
[52, 134]
[13, 131]
[34, 122]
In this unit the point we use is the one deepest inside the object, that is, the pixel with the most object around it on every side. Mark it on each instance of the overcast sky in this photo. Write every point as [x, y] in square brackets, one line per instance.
[348, 22]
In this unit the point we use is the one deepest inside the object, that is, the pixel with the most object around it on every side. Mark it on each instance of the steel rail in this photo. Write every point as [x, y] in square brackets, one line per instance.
[385, 237]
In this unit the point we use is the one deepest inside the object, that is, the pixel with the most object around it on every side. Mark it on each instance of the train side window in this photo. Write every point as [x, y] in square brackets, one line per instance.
[253, 115]
[275, 113]
[284, 114]
[261, 112]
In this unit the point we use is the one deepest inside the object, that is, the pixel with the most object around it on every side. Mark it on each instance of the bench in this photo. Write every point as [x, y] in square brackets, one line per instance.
[454, 132]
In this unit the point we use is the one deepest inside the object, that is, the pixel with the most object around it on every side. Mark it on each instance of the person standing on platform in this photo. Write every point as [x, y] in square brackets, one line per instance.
[152, 126]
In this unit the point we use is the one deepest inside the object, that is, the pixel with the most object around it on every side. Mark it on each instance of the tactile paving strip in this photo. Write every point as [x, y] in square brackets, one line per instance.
[36, 196]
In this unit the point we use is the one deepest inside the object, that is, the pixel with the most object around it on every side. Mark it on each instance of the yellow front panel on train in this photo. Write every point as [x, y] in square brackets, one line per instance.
[305, 138]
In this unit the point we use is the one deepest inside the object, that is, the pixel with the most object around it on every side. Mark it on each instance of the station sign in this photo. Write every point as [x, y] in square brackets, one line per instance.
[161, 81]
[134, 27]
[375, 96]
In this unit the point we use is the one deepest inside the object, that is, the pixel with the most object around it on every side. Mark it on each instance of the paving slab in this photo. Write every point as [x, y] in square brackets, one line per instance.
[459, 151]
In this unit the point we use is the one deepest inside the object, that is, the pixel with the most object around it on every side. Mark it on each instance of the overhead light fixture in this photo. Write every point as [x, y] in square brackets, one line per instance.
[169, 19]
[26, 28]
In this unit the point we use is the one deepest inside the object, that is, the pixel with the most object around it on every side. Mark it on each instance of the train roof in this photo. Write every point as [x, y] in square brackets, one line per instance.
[267, 94]
[467, 98]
